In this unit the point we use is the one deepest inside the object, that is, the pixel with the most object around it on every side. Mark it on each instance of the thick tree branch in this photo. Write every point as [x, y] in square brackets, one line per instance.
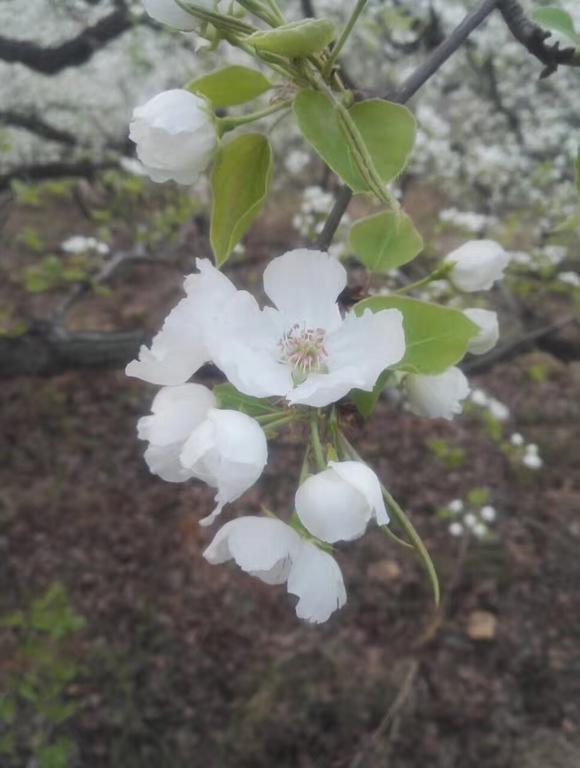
[36, 125]
[57, 170]
[409, 88]
[533, 38]
[52, 59]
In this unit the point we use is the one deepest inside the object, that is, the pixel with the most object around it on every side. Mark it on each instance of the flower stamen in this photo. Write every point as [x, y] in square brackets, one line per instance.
[303, 349]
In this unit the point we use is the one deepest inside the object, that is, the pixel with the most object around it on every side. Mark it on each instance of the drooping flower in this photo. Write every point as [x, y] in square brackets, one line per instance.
[274, 552]
[338, 503]
[180, 348]
[190, 438]
[303, 349]
[175, 134]
[437, 396]
[488, 334]
[476, 265]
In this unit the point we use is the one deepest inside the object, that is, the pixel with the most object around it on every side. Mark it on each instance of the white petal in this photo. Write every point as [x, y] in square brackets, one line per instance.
[358, 352]
[364, 480]
[164, 462]
[331, 508]
[488, 334]
[181, 346]
[316, 580]
[176, 412]
[260, 546]
[229, 452]
[477, 264]
[244, 346]
[437, 396]
[304, 285]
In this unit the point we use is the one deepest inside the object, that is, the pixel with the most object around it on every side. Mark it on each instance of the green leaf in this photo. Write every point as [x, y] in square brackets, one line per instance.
[56, 755]
[556, 20]
[387, 129]
[229, 397]
[230, 86]
[240, 181]
[436, 337]
[295, 40]
[385, 241]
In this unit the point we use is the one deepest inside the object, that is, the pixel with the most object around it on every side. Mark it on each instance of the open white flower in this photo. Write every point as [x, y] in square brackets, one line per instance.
[488, 334]
[180, 348]
[338, 503]
[190, 438]
[437, 396]
[274, 552]
[303, 349]
[175, 134]
[477, 264]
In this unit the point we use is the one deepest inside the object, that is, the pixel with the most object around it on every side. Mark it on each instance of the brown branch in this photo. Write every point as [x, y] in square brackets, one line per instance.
[36, 125]
[533, 38]
[56, 170]
[53, 59]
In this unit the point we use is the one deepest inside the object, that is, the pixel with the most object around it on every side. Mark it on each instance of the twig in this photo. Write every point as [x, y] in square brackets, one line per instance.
[533, 38]
[390, 716]
[409, 88]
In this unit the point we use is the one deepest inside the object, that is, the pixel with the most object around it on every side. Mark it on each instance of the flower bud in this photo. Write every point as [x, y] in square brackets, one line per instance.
[176, 136]
[338, 503]
[488, 334]
[437, 396]
[190, 438]
[476, 265]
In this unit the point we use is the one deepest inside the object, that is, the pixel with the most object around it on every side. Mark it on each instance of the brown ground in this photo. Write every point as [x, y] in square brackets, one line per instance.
[186, 665]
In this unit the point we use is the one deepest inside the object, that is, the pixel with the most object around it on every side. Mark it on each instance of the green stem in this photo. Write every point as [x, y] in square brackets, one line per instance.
[222, 23]
[405, 524]
[229, 123]
[358, 9]
[316, 444]
[264, 12]
[267, 417]
[281, 422]
[416, 284]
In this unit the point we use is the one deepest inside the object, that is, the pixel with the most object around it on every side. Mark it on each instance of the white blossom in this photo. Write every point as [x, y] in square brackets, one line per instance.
[190, 438]
[455, 506]
[569, 278]
[180, 348]
[81, 244]
[476, 265]
[175, 134]
[488, 334]
[456, 529]
[303, 349]
[488, 513]
[532, 458]
[274, 552]
[470, 520]
[437, 396]
[498, 410]
[517, 439]
[338, 503]
[480, 530]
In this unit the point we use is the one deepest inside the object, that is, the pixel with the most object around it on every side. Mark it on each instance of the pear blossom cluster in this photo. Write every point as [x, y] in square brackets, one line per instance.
[527, 453]
[292, 361]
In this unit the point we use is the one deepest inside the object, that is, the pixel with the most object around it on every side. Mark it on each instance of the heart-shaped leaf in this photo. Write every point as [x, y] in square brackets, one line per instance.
[387, 129]
[385, 241]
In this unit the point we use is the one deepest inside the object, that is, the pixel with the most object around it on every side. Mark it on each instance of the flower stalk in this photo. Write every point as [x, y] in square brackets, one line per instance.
[345, 34]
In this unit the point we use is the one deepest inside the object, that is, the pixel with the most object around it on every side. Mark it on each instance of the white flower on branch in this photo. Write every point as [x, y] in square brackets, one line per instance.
[338, 503]
[190, 438]
[488, 334]
[180, 348]
[175, 134]
[303, 349]
[437, 396]
[274, 552]
[476, 265]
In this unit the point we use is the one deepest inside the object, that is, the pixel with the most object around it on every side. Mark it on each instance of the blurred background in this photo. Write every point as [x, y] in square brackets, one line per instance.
[120, 647]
